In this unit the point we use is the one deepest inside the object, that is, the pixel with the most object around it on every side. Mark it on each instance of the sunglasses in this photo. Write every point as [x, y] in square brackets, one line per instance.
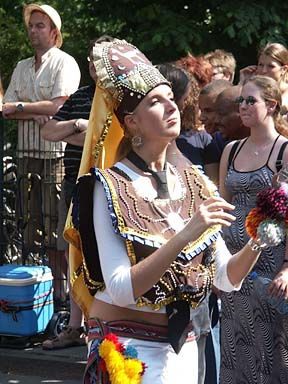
[250, 100]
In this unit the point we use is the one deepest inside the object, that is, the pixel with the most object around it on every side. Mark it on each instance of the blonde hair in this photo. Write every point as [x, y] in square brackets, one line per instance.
[223, 60]
[270, 91]
[277, 52]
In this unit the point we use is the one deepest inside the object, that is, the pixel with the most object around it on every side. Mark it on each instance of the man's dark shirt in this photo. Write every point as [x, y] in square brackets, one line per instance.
[78, 106]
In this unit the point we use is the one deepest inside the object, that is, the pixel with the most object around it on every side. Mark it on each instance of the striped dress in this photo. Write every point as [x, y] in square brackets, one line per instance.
[254, 337]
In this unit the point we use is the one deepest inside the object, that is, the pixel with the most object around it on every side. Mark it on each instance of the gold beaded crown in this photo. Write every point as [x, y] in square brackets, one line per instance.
[126, 74]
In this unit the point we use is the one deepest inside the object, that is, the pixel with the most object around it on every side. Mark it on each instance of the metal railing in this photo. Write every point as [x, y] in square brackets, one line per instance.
[21, 193]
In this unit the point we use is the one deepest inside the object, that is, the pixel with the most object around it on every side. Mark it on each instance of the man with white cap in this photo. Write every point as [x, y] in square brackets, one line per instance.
[38, 88]
[40, 84]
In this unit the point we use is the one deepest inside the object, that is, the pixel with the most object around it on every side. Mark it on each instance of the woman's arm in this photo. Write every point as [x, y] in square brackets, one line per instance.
[231, 269]
[114, 260]
[241, 264]
[125, 283]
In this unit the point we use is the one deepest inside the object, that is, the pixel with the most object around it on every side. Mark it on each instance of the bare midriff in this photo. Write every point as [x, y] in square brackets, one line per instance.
[109, 312]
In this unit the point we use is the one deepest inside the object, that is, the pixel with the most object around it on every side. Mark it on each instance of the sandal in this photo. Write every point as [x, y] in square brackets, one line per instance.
[68, 337]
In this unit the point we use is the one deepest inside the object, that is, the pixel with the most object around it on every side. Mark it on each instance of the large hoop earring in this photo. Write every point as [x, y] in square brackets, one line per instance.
[137, 141]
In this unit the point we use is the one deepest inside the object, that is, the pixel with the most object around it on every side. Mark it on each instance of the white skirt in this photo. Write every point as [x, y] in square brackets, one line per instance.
[164, 366]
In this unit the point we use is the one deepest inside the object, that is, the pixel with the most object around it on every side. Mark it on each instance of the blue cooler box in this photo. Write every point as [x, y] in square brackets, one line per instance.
[26, 299]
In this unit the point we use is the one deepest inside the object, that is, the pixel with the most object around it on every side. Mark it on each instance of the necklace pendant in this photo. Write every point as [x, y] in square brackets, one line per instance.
[175, 221]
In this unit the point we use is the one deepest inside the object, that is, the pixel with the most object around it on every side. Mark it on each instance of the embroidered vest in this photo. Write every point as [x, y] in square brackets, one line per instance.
[146, 225]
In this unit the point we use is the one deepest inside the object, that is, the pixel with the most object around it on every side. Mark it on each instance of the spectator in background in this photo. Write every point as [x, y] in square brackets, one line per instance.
[38, 88]
[69, 125]
[223, 63]
[200, 68]
[227, 118]
[192, 131]
[229, 127]
[207, 98]
[272, 62]
[194, 140]
[254, 337]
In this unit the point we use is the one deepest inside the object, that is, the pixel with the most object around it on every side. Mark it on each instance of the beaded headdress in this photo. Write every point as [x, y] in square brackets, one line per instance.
[126, 74]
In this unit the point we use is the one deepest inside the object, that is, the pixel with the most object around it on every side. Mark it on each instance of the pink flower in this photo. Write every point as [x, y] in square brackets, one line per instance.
[272, 203]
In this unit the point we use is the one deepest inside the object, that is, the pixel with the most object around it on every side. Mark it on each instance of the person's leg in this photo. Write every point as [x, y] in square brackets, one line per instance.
[76, 317]
[51, 189]
[58, 264]
[29, 204]
[73, 334]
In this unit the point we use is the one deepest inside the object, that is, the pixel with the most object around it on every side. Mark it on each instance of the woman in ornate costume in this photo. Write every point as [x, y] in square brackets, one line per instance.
[150, 233]
[254, 341]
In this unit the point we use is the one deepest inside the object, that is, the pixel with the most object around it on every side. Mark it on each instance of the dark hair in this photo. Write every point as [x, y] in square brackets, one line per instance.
[177, 77]
[98, 40]
[216, 86]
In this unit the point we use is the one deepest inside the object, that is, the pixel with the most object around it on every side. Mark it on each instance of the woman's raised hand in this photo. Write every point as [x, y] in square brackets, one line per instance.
[211, 212]
[247, 72]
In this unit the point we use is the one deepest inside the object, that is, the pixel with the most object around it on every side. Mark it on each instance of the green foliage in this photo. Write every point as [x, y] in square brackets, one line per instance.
[165, 30]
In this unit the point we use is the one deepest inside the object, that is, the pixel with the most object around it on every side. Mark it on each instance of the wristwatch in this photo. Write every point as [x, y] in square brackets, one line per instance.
[76, 126]
[256, 246]
[20, 107]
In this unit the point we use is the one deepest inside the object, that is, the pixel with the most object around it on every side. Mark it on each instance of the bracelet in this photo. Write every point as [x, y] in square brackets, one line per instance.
[76, 127]
[256, 246]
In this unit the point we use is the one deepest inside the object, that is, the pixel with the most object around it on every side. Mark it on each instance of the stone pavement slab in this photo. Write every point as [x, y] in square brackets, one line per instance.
[18, 379]
[66, 365]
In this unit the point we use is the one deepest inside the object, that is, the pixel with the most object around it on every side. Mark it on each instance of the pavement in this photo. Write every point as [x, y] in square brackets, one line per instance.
[30, 364]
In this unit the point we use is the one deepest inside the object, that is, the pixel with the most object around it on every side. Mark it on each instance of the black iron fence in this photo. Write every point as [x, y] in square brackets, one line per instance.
[30, 182]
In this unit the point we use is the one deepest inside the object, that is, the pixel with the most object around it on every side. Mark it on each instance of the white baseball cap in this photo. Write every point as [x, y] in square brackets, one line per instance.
[50, 12]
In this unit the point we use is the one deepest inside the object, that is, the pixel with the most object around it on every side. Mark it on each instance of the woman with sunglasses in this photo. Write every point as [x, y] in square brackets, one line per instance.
[254, 337]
